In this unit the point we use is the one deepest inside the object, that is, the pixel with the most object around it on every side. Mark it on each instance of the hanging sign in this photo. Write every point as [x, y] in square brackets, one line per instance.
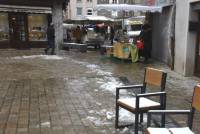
[158, 2]
[150, 2]
[164, 2]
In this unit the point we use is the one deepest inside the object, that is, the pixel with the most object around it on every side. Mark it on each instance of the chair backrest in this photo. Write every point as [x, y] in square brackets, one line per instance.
[196, 98]
[155, 77]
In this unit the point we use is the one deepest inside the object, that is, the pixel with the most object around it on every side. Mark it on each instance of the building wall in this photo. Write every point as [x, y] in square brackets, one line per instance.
[161, 35]
[72, 8]
[184, 39]
[181, 29]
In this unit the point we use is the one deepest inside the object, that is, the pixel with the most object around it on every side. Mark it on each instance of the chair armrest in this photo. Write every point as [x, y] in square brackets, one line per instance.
[161, 94]
[151, 94]
[169, 112]
[129, 87]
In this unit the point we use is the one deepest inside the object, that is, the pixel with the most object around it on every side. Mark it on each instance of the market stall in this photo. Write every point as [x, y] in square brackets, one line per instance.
[123, 48]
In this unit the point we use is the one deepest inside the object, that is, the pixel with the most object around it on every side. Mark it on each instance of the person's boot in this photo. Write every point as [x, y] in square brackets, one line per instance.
[53, 53]
[45, 51]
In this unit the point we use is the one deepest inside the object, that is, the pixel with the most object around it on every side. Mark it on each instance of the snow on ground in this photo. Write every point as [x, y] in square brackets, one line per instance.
[108, 83]
[97, 121]
[46, 57]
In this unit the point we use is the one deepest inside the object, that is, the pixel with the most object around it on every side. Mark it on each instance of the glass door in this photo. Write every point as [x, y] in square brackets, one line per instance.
[18, 30]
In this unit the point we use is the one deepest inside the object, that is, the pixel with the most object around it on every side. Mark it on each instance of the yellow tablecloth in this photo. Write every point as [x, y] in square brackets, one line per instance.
[125, 51]
[121, 50]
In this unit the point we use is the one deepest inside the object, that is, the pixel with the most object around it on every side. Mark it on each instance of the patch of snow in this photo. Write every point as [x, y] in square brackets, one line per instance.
[45, 124]
[109, 115]
[52, 57]
[46, 57]
[97, 121]
[128, 117]
[125, 130]
[99, 104]
[103, 110]
[93, 68]
[94, 120]
[110, 84]
[91, 111]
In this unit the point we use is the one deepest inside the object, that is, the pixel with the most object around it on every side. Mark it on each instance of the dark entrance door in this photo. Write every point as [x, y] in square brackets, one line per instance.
[197, 62]
[18, 30]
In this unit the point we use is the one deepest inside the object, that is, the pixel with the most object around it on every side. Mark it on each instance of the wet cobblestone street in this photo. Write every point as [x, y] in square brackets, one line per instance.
[73, 92]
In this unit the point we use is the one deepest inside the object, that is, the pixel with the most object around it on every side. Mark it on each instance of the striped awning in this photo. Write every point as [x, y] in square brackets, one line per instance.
[25, 9]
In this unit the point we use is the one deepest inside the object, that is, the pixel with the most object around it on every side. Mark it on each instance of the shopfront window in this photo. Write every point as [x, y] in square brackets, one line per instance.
[4, 27]
[37, 27]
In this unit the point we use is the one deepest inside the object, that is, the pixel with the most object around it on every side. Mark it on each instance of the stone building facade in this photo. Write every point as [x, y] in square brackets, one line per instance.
[23, 23]
[187, 49]
[77, 9]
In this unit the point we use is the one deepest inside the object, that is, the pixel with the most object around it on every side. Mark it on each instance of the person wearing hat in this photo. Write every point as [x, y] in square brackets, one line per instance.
[51, 39]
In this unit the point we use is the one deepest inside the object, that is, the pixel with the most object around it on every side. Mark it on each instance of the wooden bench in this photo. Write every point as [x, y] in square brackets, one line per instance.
[78, 46]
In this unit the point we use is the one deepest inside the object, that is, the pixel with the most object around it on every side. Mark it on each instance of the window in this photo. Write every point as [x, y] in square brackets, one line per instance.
[89, 11]
[126, 14]
[37, 27]
[4, 27]
[114, 1]
[89, 0]
[79, 11]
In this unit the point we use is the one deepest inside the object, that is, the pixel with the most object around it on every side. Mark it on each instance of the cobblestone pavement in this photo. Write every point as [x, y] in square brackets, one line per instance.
[73, 93]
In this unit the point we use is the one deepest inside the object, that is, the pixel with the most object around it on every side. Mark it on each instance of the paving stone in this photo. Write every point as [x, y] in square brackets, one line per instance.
[51, 96]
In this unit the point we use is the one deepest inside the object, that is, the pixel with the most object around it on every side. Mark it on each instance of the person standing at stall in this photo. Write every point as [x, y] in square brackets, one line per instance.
[51, 39]
[112, 34]
[78, 34]
[146, 36]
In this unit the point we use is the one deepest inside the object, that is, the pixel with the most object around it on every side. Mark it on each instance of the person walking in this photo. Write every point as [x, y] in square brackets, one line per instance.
[51, 39]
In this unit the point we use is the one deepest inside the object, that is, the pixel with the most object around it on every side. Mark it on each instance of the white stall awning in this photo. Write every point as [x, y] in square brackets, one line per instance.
[127, 7]
[98, 18]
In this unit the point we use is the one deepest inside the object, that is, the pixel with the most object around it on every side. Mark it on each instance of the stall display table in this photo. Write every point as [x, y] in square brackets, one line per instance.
[125, 51]
[121, 50]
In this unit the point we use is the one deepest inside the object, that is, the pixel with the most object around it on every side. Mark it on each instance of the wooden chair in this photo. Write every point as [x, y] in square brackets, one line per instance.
[190, 113]
[141, 103]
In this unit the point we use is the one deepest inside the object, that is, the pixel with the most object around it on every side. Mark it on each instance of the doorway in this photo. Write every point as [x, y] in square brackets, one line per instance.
[197, 53]
[18, 30]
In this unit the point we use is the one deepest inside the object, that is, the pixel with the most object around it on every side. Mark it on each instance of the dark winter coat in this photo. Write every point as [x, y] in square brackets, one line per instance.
[51, 33]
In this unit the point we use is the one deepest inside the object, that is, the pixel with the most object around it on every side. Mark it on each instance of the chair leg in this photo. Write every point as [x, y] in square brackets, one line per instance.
[136, 122]
[163, 120]
[141, 117]
[117, 116]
